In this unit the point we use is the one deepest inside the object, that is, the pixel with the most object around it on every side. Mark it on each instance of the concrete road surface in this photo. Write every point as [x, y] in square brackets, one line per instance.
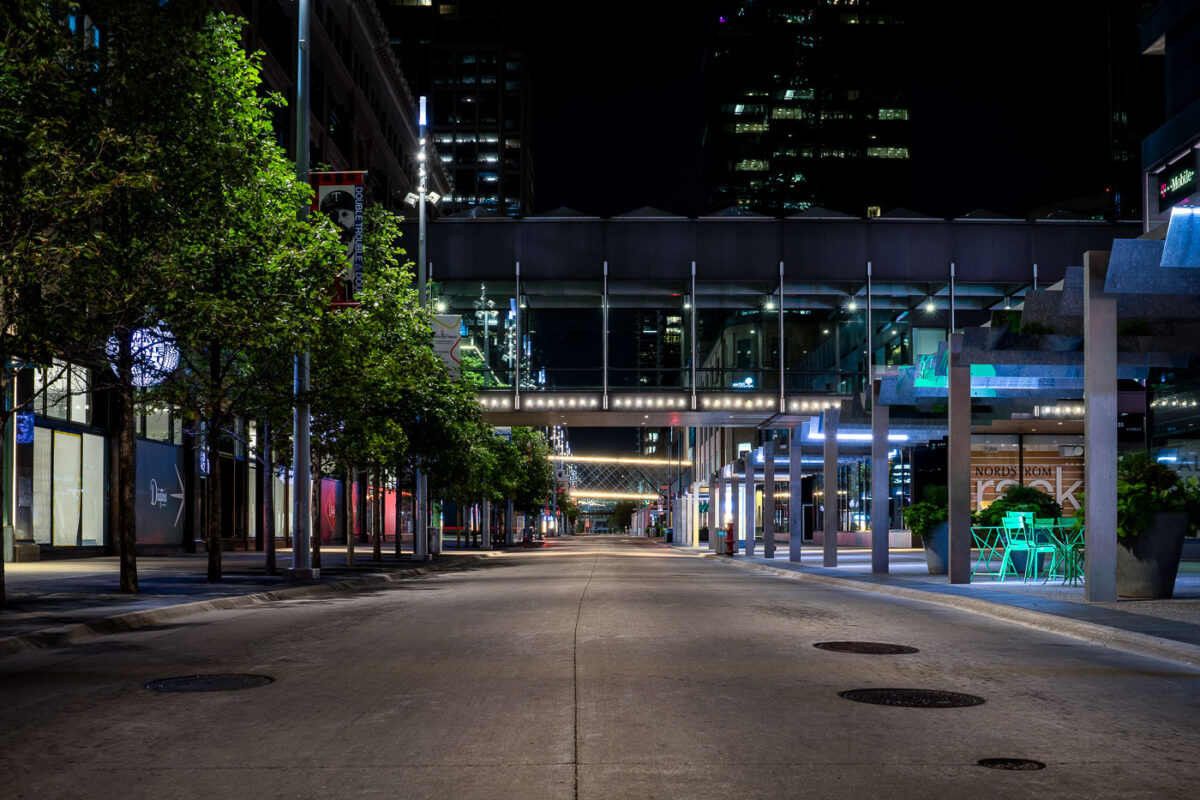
[592, 668]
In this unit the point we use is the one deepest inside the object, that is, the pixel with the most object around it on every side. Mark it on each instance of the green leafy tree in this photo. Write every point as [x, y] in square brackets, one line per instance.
[87, 120]
[253, 278]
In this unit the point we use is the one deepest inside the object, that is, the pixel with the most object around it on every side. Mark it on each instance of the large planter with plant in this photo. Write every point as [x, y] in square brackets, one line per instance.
[928, 520]
[1148, 563]
[1155, 510]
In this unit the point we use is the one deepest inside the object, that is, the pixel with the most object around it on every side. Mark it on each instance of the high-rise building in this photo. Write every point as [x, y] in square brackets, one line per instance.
[362, 112]
[466, 56]
[1171, 152]
[809, 104]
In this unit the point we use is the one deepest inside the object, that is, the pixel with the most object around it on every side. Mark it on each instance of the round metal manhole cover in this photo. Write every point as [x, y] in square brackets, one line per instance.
[867, 648]
[1010, 763]
[208, 683]
[912, 698]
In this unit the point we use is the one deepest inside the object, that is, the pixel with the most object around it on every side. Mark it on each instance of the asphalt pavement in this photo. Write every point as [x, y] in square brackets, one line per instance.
[51, 603]
[595, 668]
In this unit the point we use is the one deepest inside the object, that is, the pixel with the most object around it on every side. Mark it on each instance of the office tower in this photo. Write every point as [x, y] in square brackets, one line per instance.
[809, 105]
[466, 56]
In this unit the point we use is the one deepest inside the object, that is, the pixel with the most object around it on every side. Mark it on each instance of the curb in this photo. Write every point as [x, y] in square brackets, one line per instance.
[76, 632]
[1126, 641]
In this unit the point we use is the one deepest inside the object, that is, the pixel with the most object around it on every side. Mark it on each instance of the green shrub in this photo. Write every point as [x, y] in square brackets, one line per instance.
[924, 516]
[1018, 498]
[1145, 487]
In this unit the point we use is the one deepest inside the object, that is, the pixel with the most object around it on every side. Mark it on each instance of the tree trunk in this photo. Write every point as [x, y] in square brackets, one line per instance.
[268, 497]
[126, 467]
[399, 510]
[314, 511]
[5, 416]
[377, 519]
[214, 501]
[347, 510]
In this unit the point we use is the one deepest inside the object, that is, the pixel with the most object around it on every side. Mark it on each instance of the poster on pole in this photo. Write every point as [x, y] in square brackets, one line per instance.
[339, 196]
[447, 337]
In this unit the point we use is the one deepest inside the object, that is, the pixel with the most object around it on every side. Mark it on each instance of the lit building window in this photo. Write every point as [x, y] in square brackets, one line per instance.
[750, 127]
[893, 113]
[887, 152]
[751, 165]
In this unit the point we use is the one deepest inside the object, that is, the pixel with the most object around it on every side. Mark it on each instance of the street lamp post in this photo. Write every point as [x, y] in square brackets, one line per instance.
[421, 495]
[302, 486]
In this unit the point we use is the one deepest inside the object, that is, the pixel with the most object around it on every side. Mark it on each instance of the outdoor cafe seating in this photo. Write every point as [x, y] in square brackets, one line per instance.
[1030, 548]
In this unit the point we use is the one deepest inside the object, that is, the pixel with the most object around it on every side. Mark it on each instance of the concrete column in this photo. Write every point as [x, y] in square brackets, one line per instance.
[795, 497]
[715, 512]
[880, 505]
[769, 499]
[485, 525]
[694, 506]
[508, 524]
[1100, 432]
[829, 495]
[958, 464]
[735, 503]
[748, 512]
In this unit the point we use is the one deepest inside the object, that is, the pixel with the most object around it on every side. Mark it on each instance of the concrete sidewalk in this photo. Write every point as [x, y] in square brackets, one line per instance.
[1160, 628]
[55, 602]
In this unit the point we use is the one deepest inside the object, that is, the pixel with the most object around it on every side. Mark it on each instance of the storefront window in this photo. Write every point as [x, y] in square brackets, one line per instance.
[68, 488]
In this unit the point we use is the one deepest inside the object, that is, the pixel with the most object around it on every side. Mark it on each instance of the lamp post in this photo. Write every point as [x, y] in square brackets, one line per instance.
[302, 483]
[421, 496]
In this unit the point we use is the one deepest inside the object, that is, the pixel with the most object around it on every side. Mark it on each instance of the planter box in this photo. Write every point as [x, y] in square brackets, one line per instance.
[1148, 563]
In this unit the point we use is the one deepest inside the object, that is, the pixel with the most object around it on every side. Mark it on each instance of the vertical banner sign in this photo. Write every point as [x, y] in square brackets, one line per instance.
[339, 196]
[447, 336]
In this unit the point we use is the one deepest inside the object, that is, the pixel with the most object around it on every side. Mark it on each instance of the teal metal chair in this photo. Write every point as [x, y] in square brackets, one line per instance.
[989, 541]
[1042, 542]
[1016, 540]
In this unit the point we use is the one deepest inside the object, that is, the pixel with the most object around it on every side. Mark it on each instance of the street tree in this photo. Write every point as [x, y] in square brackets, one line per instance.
[252, 283]
[68, 166]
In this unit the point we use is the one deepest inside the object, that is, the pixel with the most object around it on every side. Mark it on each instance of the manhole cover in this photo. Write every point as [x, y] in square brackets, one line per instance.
[867, 648]
[208, 683]
[1010, 763]
[912, 698]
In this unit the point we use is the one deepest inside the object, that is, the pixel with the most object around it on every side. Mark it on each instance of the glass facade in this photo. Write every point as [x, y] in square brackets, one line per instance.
[68, 488]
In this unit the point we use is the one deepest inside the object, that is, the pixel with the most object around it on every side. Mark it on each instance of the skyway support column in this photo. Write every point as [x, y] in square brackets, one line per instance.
[748, 516]
[958, 464]
[795, 497]
[735, 502]
[1100, 432]
[880, 498]
[829, 494]
[485, 525]
[769, 499]
[714, 509]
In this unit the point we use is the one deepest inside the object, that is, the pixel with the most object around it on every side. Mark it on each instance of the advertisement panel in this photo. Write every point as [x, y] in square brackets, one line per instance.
[160, 495]
[339, 196]
[447, 337]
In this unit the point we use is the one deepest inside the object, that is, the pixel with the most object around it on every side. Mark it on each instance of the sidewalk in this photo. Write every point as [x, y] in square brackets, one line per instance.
[54, 602]
[1160, 628]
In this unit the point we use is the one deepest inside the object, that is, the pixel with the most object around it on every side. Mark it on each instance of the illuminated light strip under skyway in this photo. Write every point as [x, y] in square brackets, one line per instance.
[657, 462]
[857, 437]
[652, 401]
[586, 495]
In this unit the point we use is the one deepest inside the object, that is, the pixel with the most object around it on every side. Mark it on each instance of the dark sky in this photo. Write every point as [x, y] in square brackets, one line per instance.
[1008, 105]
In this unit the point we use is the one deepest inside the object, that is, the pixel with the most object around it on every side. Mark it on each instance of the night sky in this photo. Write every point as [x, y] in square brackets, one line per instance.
[1008, 113]
[1008, 108]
